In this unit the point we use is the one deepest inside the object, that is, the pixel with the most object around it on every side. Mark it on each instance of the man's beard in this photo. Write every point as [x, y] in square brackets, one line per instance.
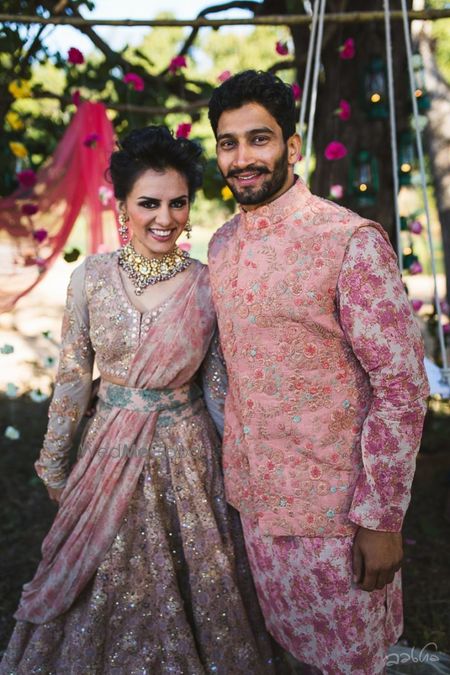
[250, 196]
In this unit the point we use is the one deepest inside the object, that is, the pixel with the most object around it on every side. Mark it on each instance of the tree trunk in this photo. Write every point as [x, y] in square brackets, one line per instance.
[343, 79]
[438, 142]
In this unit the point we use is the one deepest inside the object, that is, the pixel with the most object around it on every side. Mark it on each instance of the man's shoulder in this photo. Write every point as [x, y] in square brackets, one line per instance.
[222, 236]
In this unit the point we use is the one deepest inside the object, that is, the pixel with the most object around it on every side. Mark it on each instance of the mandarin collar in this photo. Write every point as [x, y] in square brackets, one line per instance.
[279, 209]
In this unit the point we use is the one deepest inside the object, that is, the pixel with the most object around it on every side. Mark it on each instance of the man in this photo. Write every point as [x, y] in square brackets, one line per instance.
[327, 391]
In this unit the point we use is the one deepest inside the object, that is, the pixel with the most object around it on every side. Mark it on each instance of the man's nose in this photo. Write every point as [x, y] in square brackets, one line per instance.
[244, 156]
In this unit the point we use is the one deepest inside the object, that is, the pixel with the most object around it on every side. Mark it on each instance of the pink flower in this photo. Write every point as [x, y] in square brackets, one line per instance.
[415, 227]
[177, 63]
[75, 57]
[185, 246]
[297, 91]
[335, 150]
[224, 76]
[40, 235]
[446, 329]
[282, 48]
[444, 307]
[415, 267]
[76, 97]
[347, 50]
[27, 178]
[337, 191]
[183, 130]
[135, 80]
[345, 110]
[416, 305]
[91, 140]
[29, 209]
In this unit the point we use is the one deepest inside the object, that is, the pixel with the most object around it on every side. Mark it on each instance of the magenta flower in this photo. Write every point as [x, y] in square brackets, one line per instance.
[335, 150]
[135, 80]
[345, 110]
[415, 227]
[416, 305]
[282, 48]
[91, 140]
[75, 57]
[337, 191]
[446, 328]
[76, 97]
[40, 235]
[415, 267]
[224, 76]
[27, 178]
[177, 63]
[444, 306]
[297, 91]
[183, 130]
[29, 209]
[347, 50]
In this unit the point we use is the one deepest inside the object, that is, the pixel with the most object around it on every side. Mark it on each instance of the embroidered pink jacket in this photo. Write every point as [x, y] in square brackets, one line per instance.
[327, 387]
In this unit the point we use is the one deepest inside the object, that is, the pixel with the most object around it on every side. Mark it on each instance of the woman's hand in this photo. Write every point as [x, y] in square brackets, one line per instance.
[54, 494]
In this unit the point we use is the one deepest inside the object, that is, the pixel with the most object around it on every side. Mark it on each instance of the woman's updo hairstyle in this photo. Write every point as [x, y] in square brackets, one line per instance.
[154, 147]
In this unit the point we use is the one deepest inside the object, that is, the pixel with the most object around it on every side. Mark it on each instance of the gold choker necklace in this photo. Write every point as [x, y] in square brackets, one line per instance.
[144, 271]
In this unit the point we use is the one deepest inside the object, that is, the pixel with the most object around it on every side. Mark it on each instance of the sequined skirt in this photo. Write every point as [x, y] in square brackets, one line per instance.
[174, 592]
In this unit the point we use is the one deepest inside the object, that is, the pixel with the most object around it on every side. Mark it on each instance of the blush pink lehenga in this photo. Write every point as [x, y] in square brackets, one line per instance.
[143, 570]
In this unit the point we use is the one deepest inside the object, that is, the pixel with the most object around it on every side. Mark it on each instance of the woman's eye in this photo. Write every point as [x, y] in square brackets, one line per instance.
[148, 204]
[178, 203]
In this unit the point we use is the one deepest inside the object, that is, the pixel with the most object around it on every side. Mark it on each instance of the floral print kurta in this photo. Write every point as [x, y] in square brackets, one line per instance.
[323, 417]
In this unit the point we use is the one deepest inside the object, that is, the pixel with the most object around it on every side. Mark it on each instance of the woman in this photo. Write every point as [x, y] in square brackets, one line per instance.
[143, 570]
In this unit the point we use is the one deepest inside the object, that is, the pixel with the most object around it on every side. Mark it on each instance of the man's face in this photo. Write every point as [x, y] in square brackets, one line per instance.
[255, 161]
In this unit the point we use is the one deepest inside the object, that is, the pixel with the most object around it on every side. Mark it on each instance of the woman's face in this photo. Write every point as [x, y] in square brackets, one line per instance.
[158, 210]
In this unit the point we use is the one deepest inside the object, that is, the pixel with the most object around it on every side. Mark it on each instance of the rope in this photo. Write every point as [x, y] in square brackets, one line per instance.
[312, 108]
[305, 92]
[393, 128]
[445, 369]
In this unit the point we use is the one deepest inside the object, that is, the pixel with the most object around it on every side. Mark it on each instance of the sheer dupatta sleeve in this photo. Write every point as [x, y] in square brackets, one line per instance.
[215, 382]
[72, 388]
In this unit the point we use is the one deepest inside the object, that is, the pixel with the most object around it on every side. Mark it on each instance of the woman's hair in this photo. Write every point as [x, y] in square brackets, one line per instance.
[251, 86]
[155, 148]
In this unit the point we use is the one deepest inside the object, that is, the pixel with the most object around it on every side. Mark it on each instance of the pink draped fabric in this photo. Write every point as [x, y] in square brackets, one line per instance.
[72, 182]
[102, 482]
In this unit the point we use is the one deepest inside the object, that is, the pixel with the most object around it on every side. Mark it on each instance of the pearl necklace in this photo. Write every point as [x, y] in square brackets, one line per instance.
[145, 272]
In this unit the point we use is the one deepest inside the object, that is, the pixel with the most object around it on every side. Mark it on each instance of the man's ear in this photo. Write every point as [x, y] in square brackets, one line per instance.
[294, 144]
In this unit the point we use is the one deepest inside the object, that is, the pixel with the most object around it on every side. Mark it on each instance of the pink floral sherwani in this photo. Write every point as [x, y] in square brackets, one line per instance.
[323, 416]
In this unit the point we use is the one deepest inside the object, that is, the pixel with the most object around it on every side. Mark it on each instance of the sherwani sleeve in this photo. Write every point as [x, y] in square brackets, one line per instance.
[378, 322]
[215, 382]
[72, 388]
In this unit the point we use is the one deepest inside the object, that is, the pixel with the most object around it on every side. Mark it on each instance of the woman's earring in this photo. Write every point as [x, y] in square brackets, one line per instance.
[188, 229]
[123, 227]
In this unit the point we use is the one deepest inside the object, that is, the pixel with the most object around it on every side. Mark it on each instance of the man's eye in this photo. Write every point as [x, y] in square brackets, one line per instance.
[226, 145]
[260, 139]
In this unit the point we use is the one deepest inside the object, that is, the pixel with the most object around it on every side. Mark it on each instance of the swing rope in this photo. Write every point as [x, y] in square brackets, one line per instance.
[445, 369]
[308, 69]
[313, 103]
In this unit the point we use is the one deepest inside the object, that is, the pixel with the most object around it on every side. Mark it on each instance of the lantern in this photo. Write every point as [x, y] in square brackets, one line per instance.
[375, 90]
[364, 178]
[409, 257]
[407, 161]
[421, 94]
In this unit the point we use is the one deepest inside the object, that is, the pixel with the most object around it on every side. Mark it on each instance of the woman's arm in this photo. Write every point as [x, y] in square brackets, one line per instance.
[72, 388]
[215, 382]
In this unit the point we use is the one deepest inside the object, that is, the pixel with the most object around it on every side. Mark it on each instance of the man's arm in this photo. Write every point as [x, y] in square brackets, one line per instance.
[378, 323]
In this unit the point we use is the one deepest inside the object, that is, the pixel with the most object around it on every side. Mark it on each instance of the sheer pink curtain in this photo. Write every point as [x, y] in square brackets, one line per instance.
[70, 184]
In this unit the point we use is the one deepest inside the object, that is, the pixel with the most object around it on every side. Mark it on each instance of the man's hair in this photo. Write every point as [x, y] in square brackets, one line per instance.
[253, 86]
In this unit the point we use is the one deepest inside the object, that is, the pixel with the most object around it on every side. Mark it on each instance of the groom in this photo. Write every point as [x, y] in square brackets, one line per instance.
[327, 390]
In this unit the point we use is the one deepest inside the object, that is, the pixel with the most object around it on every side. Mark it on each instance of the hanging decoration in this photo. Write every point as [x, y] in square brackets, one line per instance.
[37, 219]
[364, 182]
[422, 96]
[407, 158]
[375, 90]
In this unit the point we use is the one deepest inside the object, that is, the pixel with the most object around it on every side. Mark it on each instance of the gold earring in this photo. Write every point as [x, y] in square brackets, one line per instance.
[188, 229]
[123, 228]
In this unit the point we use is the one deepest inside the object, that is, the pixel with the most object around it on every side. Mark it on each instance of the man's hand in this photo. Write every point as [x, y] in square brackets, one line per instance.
[376, 558]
